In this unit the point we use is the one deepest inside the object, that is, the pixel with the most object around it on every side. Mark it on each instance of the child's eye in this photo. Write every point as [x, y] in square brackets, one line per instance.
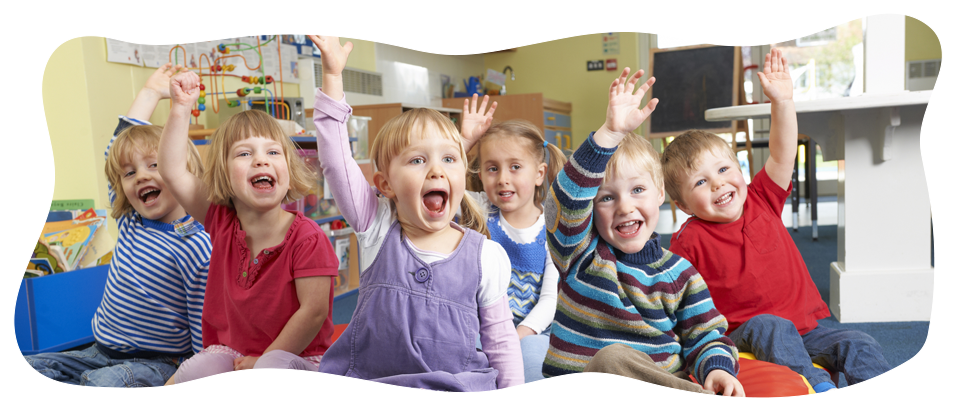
[154, 165]
[274, 152]
[243, 154]
[516, 167]
[723, 169]
[129, 173]
[448, 159]
[700, 182]
[416, 161]
[638, 190]
[492, 169]
[606, 198]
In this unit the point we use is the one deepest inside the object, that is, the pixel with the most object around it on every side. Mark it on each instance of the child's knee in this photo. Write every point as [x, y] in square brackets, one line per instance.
[203, 365]
[769, 322]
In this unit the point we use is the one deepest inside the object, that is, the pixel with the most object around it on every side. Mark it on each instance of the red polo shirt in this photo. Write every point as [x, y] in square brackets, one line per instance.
[752, 266]
[248, 303]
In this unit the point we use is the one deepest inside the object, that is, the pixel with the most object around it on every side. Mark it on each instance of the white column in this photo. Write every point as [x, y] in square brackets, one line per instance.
[884, 53]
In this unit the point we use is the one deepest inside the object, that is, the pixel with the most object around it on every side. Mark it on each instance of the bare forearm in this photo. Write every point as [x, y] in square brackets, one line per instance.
[299, 331]
[332, 85]
[783, 132]
[144, 104]
[175, 136]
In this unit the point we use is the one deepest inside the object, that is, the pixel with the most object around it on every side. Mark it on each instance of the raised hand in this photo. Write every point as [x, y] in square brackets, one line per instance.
[184, 89]
[623, 111]
[474, 121]
[334, 54]
[159, 80]
[775, 79]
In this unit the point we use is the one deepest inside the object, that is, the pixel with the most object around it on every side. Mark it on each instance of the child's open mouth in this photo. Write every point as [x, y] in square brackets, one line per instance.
[505, 195]
[149, 195]
[435, 202]
[262, 182]
[630, 228]
[725, 199]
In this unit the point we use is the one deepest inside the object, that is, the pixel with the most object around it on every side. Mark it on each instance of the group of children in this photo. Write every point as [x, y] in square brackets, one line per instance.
[551, 265]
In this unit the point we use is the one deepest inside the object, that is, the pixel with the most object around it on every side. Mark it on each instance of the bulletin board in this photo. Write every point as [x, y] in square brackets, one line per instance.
[689, 81]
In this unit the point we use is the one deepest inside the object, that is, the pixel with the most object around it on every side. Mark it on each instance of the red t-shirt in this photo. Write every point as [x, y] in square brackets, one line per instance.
[752, 266]
[247, 313]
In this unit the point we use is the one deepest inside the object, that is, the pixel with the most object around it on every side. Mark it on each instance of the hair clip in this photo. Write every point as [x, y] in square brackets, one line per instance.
[545, 143]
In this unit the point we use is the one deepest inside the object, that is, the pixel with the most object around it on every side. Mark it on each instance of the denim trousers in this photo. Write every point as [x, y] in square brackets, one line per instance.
[92, 367]
[774, 339]
[533, 351]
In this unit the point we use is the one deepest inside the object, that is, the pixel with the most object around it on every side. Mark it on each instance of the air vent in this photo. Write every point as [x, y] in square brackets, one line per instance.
[355, 81]
[922, 74]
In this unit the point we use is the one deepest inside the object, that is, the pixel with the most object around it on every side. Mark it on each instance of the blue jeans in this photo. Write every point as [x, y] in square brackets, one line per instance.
[774, 339]
[91, 367]
[533, 351]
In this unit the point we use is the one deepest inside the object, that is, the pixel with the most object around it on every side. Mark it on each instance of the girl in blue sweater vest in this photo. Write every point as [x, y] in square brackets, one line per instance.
[511, 172]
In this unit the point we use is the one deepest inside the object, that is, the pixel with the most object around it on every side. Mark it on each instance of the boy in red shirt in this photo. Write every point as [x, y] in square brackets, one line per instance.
[737, 241]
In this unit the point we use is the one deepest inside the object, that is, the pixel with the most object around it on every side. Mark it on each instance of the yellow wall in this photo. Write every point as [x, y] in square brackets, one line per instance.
[921, 43]
[362, 56]
[82, 96]
[558, 69]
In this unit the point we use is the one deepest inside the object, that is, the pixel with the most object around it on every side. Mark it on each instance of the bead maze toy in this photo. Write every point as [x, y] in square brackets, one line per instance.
[216, 71]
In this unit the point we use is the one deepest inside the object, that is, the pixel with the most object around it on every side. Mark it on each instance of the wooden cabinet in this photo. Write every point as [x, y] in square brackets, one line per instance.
[551, 116]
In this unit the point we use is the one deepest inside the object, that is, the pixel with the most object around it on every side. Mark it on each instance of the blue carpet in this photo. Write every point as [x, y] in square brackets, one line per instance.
[900, 340]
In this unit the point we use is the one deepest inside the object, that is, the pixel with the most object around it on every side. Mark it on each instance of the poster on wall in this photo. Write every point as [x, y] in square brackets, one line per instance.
[122, 52]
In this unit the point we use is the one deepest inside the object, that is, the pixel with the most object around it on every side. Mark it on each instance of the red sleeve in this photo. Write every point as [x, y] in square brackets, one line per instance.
[313, 255]
[767, 190]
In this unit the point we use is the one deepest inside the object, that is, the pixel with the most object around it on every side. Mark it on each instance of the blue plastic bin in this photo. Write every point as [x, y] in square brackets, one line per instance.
[55, 312]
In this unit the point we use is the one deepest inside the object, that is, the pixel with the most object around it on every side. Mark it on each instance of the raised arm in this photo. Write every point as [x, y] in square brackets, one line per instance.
[783, 131]
[186, 187]
[624, 114]
[474, 121]
[355, 198]
[155, 89]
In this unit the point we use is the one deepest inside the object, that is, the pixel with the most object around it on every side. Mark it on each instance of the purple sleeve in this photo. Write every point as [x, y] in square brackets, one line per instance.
[355, 198]
[500, 342]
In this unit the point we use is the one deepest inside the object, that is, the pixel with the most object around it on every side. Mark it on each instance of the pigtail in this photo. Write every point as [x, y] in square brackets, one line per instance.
[555, 163]
[472, 218]
[473, 179]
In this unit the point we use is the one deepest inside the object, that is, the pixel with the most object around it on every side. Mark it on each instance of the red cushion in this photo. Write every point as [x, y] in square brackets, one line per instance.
[768, 380]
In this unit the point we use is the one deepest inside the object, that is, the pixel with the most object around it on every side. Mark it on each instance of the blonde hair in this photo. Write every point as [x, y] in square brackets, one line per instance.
[241, 126]
[682, 155]
[145, 140]
[399, 132]
[635, 151]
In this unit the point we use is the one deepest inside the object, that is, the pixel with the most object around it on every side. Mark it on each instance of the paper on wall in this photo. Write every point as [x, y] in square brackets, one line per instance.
[122, 52]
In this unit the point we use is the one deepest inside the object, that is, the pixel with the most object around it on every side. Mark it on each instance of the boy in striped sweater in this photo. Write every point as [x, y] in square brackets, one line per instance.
[625, 305]
[150, 317]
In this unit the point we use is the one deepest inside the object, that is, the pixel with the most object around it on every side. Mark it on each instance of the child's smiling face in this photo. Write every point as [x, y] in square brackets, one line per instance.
[426, 181]
[627, 208]
[715, 190]
[510, 175]
[258, 173]
[145, 190]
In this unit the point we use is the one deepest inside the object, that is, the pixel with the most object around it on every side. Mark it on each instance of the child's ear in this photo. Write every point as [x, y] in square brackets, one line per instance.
[381, 182]
[683, 207]
[541, 173]
[663, 196]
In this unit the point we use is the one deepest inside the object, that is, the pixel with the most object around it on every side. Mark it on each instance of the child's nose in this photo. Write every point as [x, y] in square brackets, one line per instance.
[436, 171]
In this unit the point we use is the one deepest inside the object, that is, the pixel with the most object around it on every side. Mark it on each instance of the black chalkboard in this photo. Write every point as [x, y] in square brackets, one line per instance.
[688, 82]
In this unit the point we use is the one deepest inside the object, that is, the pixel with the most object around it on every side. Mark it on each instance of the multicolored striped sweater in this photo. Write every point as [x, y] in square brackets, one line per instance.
[652, 300]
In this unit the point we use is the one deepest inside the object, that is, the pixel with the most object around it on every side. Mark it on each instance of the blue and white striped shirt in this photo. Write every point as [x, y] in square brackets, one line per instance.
[155, 285]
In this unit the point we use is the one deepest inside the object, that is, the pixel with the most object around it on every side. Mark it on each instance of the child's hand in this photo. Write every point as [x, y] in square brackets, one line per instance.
[624, 114]
[184, 89]
[247, 362]
[473, 122]
[159, 80]
[775, 79]
[334, 55]
[719, 381]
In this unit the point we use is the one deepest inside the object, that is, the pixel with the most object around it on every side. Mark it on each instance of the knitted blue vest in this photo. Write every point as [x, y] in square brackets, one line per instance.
[527, 267]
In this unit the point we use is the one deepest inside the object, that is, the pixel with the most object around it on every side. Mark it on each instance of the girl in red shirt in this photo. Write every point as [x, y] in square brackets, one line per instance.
[268, 296]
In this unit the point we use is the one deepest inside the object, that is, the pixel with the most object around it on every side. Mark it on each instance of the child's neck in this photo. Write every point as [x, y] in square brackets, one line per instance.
[443, 241]
[523, 217]
[263, 229]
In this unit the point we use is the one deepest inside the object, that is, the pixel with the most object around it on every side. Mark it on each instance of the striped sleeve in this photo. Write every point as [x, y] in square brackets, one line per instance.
[701, 327]
[569, 205]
